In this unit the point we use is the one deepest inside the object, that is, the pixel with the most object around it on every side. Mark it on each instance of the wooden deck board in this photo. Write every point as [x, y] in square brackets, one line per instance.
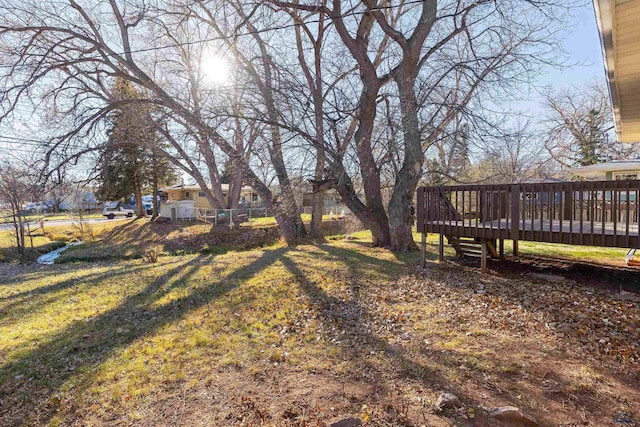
[557, 226]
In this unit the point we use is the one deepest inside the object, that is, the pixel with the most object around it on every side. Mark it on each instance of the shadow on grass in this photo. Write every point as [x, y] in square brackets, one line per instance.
[91, 278]
[23, 303]
[412, 257]
[498, 371]
[359, 263]
[359, 344]
[30, 380]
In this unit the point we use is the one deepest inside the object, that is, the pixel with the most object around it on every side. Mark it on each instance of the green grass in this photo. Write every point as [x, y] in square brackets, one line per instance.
[52, 238]
[267, 220]
[41, 244]
[131, 239]
[109, 336]
[580, 253]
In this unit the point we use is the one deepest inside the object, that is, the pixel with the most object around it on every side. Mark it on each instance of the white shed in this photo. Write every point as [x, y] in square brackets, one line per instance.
[178, 209]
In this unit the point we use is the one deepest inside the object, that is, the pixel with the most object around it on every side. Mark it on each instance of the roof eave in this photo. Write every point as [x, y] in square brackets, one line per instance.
[604, 11]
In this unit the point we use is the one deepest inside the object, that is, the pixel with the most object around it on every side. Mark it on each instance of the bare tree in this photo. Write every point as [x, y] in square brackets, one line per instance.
[83, 47]
[452, 160]
[311, 65]
[18, 185]
[403, 71]
[512, 156]
[58, 189]
[81, 222]
[439, 57]
[580, 127]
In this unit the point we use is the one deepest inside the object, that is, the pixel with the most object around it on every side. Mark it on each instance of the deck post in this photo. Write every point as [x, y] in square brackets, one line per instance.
[568, 206]
[423, 250]
[441, 248]
[515, 217]
[483, 256]
[501, 249]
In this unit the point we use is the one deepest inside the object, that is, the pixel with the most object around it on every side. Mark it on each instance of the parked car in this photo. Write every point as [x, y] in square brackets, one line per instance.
[118, 210]
[148, 207]
[38, 207]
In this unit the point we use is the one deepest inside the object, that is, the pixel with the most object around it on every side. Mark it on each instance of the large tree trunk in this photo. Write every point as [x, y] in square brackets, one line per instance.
[378, 226]
[407, 178]
[401, 221]
[215, 195]
[137, 195]
[154, 201]
[317, 208]
[286, 214]
[235, 185]
[379, 222]
[285, 206]
[290, 224]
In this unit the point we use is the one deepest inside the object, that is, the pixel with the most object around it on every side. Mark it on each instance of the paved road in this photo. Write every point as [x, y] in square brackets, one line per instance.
[35, 224]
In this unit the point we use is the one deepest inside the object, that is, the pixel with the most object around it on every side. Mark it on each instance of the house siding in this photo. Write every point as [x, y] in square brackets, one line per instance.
[201, 202]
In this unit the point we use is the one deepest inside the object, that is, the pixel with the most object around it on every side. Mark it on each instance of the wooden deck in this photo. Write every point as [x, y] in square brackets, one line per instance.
[592, 213]
[559, 231]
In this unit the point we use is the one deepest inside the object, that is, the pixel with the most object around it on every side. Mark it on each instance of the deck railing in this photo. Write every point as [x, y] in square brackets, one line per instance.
[600, 213]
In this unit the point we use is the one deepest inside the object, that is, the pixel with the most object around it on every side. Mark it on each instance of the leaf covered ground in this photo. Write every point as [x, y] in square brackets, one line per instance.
[306, 335]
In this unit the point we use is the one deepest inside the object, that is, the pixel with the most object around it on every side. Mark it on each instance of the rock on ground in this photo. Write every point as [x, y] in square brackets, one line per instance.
[447, 400]
[512, 416]
[348, 422]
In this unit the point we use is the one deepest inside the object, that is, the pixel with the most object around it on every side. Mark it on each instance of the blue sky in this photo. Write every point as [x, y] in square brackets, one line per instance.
[582, 48]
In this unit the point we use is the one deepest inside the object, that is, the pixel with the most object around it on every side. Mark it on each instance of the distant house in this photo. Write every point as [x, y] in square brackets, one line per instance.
[86, 201]
[332, 202]
[616, 170]
[184, 201]
[610, 171]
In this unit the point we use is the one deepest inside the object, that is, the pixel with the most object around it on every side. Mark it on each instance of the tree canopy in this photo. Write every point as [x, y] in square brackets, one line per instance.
[349, 94]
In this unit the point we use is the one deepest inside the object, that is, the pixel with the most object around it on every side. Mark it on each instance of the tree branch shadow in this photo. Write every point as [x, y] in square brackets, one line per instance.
[347, 315]
[34, 376]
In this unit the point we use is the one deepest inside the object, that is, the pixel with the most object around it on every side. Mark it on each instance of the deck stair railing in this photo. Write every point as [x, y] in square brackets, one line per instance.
[596, 213]
[463, 246]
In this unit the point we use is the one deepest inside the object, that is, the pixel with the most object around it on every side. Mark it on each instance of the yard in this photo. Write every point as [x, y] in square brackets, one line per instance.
[299, 336]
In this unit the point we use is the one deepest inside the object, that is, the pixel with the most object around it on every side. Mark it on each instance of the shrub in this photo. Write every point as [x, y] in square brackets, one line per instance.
[152, 253]
[83, 230]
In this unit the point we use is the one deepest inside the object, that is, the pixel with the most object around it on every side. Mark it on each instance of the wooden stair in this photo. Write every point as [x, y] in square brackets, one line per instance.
[472, 247]
[465, 246]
